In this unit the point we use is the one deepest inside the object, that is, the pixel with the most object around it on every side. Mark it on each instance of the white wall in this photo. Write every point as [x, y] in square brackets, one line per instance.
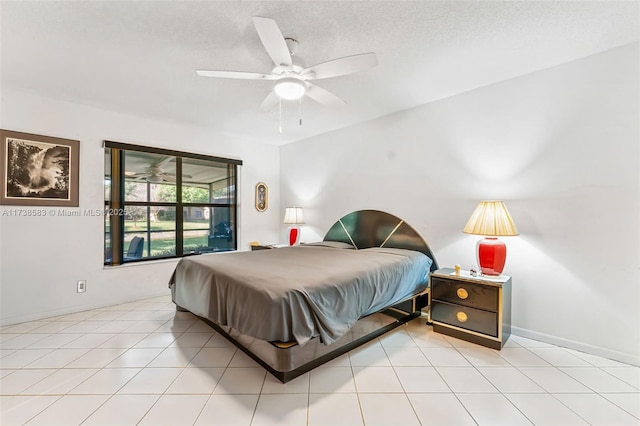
[560, 146]
[42, 258]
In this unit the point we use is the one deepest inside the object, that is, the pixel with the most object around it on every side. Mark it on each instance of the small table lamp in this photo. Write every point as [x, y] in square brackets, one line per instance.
[491, 219]
[293, 216]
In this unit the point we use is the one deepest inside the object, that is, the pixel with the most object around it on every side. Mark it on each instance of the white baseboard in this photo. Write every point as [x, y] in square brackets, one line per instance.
[80, 308]
[578, 346]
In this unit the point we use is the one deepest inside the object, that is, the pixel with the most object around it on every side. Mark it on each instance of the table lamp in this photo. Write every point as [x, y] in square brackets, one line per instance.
[293, 216]
[491, 219]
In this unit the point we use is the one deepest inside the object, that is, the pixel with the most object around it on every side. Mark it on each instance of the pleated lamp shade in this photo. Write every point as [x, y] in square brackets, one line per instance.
[491, 219]
[293, 215]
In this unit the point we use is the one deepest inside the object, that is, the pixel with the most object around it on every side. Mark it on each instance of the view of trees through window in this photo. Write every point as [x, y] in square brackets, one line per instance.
[160, 214]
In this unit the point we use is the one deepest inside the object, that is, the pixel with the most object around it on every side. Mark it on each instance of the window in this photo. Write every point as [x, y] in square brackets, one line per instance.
[161, 203]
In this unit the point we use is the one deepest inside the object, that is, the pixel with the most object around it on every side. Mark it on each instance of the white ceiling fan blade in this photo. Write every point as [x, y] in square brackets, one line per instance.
[272, 40]
[241, 75]
[269, 102]
[323, 96]
[174, 175]
[158, 164]
[341, 66]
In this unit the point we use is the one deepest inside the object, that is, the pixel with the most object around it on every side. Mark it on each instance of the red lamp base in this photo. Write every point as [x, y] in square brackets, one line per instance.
[294, 236]
[492, 254]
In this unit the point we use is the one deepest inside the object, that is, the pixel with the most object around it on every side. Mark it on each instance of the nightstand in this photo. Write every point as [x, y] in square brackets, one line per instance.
[475, 309]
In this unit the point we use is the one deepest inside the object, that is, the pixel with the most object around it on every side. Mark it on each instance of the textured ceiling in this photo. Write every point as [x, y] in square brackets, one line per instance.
[139, 57]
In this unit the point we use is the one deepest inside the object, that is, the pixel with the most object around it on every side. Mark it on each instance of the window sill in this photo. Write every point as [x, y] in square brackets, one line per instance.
[165, 260]
[146, 262]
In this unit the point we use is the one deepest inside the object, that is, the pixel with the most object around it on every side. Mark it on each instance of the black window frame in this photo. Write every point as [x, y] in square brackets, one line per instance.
[115, 204]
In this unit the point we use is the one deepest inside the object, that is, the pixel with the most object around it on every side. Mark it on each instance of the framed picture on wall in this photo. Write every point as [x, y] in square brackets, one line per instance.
[38, 170]
[262, 196]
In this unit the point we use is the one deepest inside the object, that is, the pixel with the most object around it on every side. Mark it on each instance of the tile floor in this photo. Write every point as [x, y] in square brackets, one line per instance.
[143, 363]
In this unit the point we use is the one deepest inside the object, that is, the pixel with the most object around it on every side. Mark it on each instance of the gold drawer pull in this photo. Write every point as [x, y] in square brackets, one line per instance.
[462, 317]
[462, 293]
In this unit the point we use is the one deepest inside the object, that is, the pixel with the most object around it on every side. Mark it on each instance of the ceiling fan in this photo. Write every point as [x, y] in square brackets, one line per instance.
[292, 81]
[155, 173]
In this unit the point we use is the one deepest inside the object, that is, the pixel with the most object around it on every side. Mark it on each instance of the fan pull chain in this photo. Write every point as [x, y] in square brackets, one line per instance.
[280, 113]
[300, 112]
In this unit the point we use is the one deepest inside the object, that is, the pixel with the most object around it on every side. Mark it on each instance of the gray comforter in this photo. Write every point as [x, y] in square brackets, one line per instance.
[297, 293]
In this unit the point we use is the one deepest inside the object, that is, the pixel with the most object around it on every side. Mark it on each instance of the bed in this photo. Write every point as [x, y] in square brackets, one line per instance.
[368, 276]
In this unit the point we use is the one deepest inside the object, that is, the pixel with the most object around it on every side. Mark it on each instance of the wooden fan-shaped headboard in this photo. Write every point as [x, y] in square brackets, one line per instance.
[374, 228]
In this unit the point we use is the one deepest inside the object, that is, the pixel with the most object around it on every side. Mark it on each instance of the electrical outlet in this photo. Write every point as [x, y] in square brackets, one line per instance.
[82, 286]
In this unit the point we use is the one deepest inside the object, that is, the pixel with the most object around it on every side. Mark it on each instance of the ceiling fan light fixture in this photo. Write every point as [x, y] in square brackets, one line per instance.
[290, 88]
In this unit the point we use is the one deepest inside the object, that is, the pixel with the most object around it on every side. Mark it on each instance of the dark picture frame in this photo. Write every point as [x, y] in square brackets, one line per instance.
[37, 170]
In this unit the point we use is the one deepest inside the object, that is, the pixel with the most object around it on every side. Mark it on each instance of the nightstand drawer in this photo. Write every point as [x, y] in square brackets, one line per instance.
[465, 317]
[465, 293]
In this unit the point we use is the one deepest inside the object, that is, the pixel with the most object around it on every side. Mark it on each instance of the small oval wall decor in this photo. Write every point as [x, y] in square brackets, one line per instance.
[262, 196]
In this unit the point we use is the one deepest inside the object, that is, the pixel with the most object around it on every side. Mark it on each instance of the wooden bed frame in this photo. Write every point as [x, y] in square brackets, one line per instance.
[362, 229]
